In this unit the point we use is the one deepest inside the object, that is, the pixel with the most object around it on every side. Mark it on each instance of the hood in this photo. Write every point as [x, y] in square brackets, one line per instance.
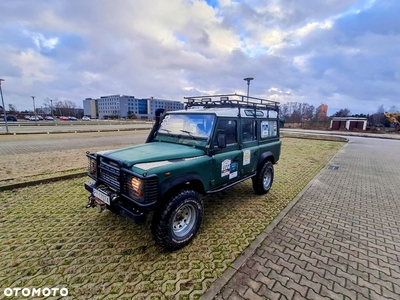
[152, 152]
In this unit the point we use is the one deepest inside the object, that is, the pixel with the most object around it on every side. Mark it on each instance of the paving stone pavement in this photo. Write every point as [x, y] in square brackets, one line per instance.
[339, 240]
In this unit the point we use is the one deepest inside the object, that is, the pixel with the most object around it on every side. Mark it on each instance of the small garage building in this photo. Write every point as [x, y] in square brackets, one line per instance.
[348, 123]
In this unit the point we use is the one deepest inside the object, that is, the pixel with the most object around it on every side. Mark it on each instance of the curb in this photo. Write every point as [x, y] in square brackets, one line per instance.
[218, 285]
[348, 134]
[42, 181]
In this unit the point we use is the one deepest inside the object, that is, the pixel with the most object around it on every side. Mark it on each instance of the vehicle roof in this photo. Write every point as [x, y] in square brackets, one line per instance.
[228, 112]
[229, 105]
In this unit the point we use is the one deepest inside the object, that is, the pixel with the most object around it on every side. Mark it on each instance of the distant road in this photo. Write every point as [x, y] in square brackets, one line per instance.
[71, 126]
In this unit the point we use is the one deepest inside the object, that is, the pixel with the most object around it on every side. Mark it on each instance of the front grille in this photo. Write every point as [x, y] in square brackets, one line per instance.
[120, 180]
[109, 174]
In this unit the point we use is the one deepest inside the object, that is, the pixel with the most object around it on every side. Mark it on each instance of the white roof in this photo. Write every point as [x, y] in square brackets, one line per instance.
[348, 118]
[229, 112]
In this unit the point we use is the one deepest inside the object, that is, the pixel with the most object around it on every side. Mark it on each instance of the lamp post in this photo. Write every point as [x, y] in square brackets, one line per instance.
[248, 79]
[4, 108]
[51, 107]
[34, 109]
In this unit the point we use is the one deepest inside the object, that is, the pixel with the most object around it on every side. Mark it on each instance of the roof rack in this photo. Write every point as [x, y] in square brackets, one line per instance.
[231, 100]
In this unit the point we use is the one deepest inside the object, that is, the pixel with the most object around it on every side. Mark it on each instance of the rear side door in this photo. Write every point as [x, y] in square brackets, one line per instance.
[250, 149]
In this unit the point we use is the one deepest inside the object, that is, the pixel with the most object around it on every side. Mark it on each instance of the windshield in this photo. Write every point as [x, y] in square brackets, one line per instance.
[192, 125]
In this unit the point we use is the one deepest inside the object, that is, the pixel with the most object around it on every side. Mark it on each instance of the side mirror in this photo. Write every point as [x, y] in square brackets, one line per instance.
[221, 140]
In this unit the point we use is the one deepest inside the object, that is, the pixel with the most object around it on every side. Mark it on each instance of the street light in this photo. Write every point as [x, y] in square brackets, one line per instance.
[248, 79]
[4, 108]
[51, 102]
[34, 109]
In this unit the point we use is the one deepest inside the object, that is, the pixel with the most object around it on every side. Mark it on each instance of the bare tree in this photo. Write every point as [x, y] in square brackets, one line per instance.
[343, 112]
[393, 109]
[64, 107]
[284, 110]
[307, 111]
[51, 104]
[379, 116]
[296, 111]
[12, 108]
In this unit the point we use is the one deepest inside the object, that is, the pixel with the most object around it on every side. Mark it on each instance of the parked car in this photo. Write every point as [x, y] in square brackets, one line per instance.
[85, 118]
[48, 118]
[36, 118]
[222, 142]
[72, 118]
[11, 118]
[27, 117]
[64, 118]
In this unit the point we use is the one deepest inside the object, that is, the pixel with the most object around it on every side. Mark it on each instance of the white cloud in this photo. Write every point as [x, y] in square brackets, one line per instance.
[42, 43]
[307, 51]
[34, 66]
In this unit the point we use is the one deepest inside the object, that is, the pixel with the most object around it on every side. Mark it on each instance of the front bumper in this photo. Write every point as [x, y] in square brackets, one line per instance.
[117, 204]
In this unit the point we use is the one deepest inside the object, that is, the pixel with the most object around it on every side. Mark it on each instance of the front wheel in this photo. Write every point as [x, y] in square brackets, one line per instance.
[176, 223]
[262, 182]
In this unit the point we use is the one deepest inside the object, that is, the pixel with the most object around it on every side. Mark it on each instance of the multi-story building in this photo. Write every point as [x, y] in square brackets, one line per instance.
[322, 112]
[117, 106]
[90, 108]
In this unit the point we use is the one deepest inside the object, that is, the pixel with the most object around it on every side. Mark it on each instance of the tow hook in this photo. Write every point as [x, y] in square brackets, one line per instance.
[94, 202]
[91, 202]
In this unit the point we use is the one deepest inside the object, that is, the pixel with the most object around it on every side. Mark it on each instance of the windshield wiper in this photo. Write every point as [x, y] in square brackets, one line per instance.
[189, 133]
[168, 131]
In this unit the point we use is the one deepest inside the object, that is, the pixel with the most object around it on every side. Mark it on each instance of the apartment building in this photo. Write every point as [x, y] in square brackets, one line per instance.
[124, 106]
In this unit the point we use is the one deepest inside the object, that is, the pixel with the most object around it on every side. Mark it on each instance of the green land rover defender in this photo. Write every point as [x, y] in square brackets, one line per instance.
[214, 143]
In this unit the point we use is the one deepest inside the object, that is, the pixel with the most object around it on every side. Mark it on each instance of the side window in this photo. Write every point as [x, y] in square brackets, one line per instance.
[249, 130]
[269, 129]
[229, 128]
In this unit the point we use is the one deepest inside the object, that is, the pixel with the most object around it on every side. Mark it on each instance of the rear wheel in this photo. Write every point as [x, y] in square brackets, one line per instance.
[262, 182]
[177, 222]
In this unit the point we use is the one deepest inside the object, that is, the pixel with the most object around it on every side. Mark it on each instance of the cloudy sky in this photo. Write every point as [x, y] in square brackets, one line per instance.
[343, 53]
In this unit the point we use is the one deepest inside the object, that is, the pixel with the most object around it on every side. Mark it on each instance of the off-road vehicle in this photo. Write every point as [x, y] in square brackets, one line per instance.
[211, 145]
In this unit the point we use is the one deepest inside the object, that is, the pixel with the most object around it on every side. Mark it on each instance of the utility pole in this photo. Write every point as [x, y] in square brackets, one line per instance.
[51, 107]
[34, 109]
[4, 108]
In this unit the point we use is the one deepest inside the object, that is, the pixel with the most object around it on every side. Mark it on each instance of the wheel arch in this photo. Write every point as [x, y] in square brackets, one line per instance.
[264, 157]
[190, 181]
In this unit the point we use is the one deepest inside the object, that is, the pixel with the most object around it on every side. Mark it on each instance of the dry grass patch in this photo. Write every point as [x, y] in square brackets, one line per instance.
[34, 164]
[41, 165]
[49, 239]
[322, 136]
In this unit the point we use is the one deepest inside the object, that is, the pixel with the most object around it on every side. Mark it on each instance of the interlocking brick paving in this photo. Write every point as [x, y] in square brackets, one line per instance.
[342, 238]
[48, 239]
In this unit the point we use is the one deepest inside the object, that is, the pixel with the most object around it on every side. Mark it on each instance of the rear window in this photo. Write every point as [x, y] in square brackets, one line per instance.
[269, 129]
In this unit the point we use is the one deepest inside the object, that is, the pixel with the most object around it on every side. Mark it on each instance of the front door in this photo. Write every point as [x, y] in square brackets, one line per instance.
[227, 161]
